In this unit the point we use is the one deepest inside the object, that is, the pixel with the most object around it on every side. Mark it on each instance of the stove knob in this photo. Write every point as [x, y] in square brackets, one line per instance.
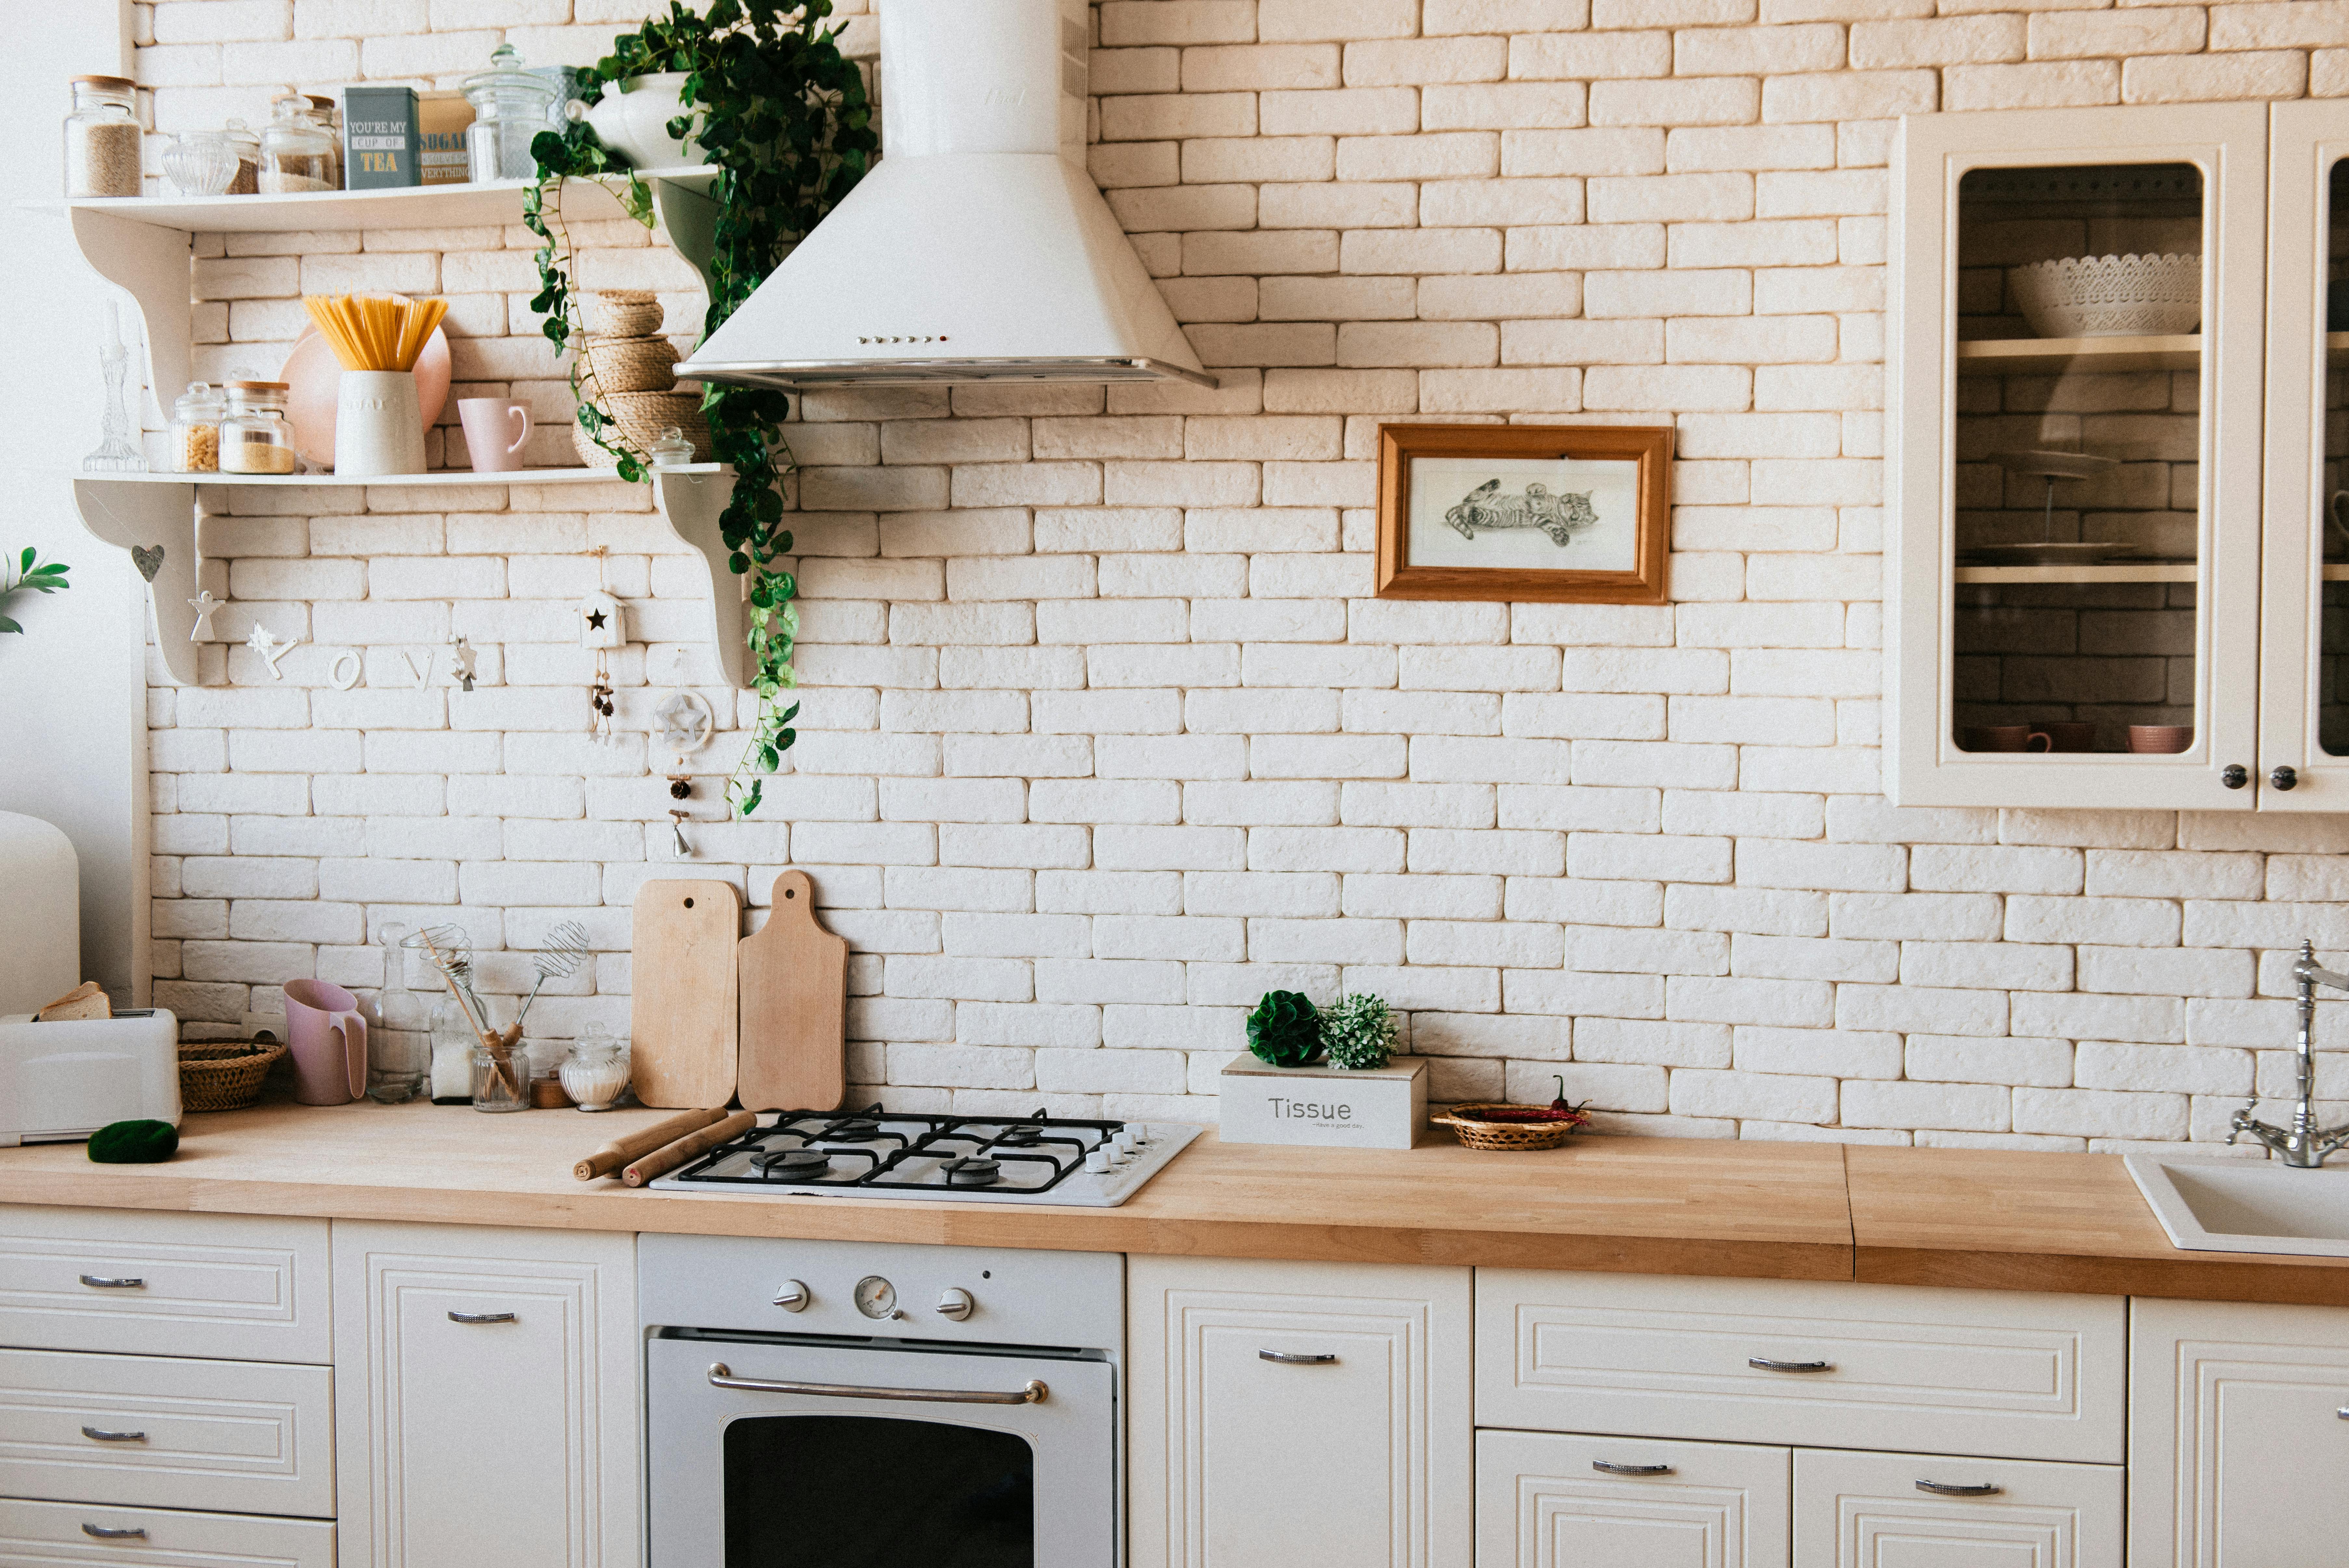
[1097, 1160]
[955, 1304]
[793, 1296]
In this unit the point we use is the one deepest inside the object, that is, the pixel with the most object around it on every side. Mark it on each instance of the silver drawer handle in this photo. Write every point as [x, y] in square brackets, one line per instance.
[1294, 1358]
[1608, 1467]
[110, 1533]
[722, 1377]
[481, 1317]
[2343, 1412]
[1763, 1363]
[95, 1436]
[1943, 1489]
[101, 1282]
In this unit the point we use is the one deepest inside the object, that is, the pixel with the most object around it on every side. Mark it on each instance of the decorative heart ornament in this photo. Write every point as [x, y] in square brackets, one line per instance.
[148, 558]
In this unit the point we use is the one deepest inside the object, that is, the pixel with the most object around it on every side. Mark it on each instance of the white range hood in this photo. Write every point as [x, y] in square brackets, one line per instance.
[978, 248]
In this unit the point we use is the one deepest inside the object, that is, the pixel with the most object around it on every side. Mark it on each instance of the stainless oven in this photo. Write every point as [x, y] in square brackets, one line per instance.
[842, 1405]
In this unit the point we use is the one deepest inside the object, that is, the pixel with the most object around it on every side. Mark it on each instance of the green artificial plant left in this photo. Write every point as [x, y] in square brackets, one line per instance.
[785, 119]
[28, 578]
[1285, 1030]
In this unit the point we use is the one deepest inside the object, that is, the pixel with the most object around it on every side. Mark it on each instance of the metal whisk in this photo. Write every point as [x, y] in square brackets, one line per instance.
[566, 948]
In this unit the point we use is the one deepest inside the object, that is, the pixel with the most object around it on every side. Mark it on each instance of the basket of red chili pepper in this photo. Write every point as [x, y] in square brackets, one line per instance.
[1510, 1127]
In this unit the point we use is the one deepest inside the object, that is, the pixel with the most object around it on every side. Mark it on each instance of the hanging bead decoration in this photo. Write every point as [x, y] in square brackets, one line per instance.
[600, 629]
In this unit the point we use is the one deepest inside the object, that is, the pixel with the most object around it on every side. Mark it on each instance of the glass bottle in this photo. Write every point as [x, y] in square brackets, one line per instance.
[104, 146]
[246, 181]
[511, 107]
[500, 1077]
[596, 1073]
[399, 1045]
[297, 153]
[196, 418]
[453, 1043]
[255, 436]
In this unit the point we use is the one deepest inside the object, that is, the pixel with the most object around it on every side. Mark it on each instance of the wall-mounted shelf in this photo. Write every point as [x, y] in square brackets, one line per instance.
[2080, 356]
[153, 516]
[2138, 572]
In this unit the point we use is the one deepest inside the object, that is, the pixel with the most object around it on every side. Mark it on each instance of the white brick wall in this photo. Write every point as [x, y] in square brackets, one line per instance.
[1102, 738]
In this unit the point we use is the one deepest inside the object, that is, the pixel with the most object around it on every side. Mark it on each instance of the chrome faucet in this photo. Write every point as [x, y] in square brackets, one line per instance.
[2303, 1144]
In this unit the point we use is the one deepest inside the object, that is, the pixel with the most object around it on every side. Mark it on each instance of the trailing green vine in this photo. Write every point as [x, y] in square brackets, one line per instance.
[784, 117]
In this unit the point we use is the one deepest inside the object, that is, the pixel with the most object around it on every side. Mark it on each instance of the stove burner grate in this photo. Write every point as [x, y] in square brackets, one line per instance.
[959, 1151]
[791, 1164]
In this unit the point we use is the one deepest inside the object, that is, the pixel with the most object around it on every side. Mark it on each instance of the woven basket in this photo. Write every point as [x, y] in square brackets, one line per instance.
[627, 365]
[620, 312]
[1505, 1136]
[642, 416]
[225, 1075]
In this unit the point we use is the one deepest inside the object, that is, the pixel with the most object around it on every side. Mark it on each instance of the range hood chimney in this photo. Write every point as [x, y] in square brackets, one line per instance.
[978, 248]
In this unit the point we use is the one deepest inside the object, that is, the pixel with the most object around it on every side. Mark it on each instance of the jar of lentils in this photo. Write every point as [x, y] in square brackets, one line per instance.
[104, 151]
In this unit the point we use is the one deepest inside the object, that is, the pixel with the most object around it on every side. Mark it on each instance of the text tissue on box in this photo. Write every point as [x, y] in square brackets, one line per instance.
[1377, 1107]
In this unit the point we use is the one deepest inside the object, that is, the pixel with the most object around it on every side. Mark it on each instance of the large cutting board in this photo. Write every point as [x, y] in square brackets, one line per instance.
[794, 1007]
[682, 1020]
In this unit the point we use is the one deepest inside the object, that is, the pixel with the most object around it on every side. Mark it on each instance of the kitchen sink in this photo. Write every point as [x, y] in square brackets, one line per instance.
[2246, 1205]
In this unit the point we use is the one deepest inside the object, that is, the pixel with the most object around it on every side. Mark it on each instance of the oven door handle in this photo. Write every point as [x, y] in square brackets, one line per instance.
[722, 1377]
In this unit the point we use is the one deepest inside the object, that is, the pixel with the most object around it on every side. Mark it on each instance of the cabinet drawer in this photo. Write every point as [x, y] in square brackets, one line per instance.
[1571, 1501]
[154, 1285]
[237, 1435]
[53, 1534]
[1868, 1510]
[1985, 1372]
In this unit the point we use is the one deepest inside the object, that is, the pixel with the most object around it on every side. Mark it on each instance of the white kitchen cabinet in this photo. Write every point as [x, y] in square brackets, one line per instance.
[56, 1534]
[488, 1404]
[1560, 1500]
[2238, 1442]
[1925, 1511]
[1293, 1413]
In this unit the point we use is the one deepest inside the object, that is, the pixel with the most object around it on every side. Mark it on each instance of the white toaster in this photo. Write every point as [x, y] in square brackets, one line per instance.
[64, 1080]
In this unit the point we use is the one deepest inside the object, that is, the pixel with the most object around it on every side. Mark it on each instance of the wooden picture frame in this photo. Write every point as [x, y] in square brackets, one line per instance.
[1618, 522]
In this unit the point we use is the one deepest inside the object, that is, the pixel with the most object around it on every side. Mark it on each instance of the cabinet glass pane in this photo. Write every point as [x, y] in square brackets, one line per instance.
[2333, 496]
[2078, 428]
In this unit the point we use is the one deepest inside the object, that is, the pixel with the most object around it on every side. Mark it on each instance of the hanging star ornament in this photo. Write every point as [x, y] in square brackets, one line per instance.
[272, 648]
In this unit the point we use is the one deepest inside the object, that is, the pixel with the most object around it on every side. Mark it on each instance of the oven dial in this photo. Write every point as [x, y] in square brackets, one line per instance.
[876, 1297]
[955, 1304]
[793, 1297]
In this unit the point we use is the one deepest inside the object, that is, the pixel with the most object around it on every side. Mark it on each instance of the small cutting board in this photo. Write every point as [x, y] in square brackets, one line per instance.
[794, 1007]
[683, 1017]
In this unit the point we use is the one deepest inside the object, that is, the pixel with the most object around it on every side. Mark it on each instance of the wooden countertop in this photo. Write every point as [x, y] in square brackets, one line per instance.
[1987, 1219]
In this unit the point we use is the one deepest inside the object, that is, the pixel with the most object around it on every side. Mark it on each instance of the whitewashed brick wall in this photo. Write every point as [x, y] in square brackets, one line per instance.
[1104, 737]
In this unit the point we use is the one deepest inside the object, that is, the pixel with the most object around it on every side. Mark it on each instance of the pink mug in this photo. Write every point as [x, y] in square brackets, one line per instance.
[487, 422]
[328, 1038]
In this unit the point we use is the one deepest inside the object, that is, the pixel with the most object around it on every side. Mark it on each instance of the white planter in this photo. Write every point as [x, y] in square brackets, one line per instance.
[1329, 1107]
[632, 119]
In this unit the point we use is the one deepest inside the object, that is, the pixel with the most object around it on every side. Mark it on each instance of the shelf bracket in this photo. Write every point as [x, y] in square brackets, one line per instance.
[157, 524]
[150, 263]
[689, 504]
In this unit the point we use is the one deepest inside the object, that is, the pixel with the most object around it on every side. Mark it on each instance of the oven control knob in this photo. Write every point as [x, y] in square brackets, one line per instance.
[793, 1296]
[955, 1304]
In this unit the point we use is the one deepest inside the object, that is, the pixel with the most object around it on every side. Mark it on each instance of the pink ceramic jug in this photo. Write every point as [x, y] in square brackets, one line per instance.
[328, 1040]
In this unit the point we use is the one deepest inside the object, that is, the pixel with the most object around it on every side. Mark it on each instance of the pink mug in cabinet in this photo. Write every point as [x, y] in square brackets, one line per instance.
[329, 1041]
[488, 422]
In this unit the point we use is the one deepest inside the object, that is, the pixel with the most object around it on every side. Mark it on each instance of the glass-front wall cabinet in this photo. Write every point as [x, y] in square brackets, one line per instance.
[2076, 387]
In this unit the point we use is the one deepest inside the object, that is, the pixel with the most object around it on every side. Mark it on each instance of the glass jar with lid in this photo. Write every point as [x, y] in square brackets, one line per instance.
[246, 181]
[596, 1073]
[255, 436]
[104, 146]
[328, 115]
[200, 163]
[196, 418]
[511, 107]
[297, 153]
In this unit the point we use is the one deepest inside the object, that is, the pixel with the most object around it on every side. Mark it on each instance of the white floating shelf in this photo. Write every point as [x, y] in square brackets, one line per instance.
[2131, 572]
[437, 477]
[409, 207]
[2080, 356]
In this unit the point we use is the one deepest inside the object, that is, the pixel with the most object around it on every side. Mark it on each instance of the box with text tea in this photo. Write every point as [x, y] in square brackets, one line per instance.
[379, 136]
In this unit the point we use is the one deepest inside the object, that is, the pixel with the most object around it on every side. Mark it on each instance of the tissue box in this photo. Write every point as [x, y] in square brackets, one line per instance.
[1378, 1108]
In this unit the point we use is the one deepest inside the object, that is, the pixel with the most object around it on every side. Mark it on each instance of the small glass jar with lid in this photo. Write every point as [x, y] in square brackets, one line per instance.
[255, 436]
[511, 107]
[246, 181]
[196, 418]
[297, 153]
[596, 1073]
[104, 149]
[328, 115]
[200, 163]
[672, 451]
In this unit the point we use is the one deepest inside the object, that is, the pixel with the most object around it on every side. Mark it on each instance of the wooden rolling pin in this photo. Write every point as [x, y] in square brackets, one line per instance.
[662, 1160]
[620, 1150]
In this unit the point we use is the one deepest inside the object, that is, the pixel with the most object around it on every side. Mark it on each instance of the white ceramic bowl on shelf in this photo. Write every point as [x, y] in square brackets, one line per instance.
[2111, 297]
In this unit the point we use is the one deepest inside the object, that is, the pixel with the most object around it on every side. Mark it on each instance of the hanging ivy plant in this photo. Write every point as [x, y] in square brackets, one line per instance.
[784, 116]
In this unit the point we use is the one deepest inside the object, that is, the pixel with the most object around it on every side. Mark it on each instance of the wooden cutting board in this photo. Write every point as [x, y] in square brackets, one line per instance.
[794, 1007]
[682, 1020]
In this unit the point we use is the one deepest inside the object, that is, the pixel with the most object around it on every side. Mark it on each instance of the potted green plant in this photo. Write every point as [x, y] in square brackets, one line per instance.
[26, 577]
[784, 117]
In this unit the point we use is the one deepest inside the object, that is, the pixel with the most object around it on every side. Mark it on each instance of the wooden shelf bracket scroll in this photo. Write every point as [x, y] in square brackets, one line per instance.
[157, 524]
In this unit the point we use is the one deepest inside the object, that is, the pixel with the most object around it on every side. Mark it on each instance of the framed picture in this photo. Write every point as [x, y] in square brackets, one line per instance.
[1561, 513]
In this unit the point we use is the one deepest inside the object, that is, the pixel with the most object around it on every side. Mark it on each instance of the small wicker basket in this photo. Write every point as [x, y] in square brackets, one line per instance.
[609, 365]
[641, 416]
[620, 312]
[1507, 1137]
[225, 1075]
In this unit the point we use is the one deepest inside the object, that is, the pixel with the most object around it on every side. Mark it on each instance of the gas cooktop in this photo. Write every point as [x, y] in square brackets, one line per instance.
[875, 1153]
